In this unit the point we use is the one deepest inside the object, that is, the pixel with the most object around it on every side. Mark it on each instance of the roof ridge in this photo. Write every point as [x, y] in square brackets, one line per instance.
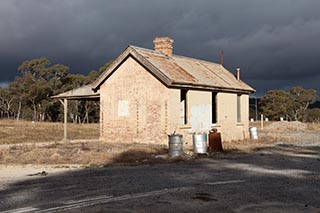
[174, 55]
[148, 50]
[172, 72]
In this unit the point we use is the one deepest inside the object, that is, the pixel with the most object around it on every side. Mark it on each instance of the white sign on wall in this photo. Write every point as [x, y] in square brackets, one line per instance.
[123, 108]
[201, 117]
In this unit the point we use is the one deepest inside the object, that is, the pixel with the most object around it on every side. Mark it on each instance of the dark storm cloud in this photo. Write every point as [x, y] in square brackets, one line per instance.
[276, 43]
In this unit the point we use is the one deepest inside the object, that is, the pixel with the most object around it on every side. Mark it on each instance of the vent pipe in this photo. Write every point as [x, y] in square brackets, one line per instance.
[238, 74]
[222, 57]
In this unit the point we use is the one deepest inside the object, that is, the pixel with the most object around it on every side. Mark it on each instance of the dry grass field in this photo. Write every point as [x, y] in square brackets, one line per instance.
[20, 144]
[12, 132]
[25, 142]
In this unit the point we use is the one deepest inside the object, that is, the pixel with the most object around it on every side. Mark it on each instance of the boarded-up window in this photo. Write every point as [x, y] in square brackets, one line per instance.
[238, 108]
[183, 107]
[123, 108]
[214, 107]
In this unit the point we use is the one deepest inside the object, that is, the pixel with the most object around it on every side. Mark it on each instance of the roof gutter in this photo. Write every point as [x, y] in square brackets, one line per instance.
[209, 87]
[76, 97]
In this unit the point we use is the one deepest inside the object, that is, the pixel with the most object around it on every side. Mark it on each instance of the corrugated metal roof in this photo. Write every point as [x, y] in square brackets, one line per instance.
[167, 66]
[79, 93]
[189, 71]
[176, 71]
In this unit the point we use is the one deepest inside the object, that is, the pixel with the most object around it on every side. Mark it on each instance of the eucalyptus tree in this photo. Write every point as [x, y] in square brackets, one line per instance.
[292, 105]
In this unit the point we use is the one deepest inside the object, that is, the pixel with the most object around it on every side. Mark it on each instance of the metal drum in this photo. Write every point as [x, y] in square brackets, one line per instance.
[200, 143]
[253, 132]
[175, 145]
[215, 144]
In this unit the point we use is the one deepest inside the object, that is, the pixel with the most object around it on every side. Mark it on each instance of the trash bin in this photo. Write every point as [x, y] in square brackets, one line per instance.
[175, 145]
[253, 132]
[215, 144]
[200, 143]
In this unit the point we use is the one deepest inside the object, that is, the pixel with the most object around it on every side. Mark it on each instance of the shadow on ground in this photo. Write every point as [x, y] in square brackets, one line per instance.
[284, 177]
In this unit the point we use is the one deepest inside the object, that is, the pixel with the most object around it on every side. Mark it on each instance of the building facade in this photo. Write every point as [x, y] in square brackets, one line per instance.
[145, 95]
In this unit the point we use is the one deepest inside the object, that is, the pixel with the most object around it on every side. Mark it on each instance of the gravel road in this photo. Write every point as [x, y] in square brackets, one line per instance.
[283, 178]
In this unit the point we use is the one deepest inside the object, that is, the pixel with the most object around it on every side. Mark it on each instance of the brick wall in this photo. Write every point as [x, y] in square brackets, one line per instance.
[227, 116]
[134, 106]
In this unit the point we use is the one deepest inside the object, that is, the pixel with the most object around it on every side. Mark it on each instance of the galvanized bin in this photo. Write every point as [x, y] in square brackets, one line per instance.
[175, 145]
[253, 132]
[200, 143]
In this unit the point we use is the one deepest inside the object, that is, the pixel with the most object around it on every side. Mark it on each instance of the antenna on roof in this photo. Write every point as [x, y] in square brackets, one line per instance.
[222, 57]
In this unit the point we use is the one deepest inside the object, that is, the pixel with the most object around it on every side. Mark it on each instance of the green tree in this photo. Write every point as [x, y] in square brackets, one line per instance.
[30, 94]
[18, 90]
[274, 104]
[6, 102]
[39, 81]
[37, 68]
[291, 105]
[300, 100]
[312, 115]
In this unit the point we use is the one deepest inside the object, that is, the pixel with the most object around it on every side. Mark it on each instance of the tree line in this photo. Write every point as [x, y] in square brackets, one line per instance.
[28, 97]
[292, 105]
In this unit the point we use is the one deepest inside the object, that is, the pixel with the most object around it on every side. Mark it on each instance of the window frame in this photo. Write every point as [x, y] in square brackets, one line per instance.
[239, 108]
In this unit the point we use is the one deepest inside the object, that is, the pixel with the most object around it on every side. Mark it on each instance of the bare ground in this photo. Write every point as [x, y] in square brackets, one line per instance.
[282, 178]
[295, 147]
[90, 152]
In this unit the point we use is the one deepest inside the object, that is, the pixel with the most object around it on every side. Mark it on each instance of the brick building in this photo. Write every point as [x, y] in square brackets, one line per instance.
[147, 94]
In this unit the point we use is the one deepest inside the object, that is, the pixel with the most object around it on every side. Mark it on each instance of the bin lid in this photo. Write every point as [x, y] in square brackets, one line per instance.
[175, 135]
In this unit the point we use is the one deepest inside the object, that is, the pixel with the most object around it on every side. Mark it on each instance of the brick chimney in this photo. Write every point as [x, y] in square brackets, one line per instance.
[164, 45]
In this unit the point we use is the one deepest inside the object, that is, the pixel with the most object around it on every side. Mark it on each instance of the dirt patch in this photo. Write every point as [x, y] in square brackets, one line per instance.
[84, 153]
[243, 146]
[142, 153]
[12, 173]
[314, 127]
[275, 133]
[285, 126]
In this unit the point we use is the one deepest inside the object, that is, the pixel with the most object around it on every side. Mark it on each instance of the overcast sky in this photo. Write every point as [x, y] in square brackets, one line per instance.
[276, 43]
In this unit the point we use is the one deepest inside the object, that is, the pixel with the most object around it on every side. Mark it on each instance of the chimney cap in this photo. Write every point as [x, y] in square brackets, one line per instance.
[163, 39]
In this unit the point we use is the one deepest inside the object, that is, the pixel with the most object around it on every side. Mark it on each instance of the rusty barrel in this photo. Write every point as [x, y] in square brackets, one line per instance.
[175, 145]
[215, 144]
[200, 143]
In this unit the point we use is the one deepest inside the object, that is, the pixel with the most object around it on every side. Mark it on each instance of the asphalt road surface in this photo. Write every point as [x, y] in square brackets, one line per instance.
[285, 178]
